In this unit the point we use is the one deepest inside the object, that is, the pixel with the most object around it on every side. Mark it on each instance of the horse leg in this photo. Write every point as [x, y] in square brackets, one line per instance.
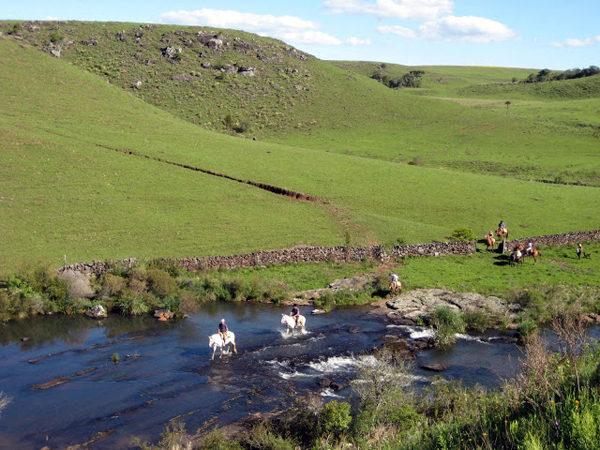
[214, 350]
[234, 347]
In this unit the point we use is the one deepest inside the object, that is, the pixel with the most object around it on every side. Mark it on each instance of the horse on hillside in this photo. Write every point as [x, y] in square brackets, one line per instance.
[215, 341]
[290, 322]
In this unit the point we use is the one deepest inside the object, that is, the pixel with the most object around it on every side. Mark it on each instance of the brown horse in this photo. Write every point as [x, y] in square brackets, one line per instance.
[535, 254]
[502, 233]
[490, 241]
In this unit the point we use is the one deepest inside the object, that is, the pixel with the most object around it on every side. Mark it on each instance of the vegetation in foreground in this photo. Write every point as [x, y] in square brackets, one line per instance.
[554, 403]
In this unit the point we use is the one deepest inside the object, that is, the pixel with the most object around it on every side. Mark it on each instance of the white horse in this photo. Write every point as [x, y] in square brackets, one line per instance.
[215, 341]
[290, 322]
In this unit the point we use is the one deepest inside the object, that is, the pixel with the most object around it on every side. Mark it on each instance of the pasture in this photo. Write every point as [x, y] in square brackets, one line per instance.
[86, 168]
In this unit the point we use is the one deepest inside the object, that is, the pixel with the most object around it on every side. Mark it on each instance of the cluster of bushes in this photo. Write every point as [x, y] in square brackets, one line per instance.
[38, 289]
[552, 404]
[548, 75]
[411, 79]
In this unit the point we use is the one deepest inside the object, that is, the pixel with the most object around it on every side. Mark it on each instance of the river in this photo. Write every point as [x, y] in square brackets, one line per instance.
[67, 390]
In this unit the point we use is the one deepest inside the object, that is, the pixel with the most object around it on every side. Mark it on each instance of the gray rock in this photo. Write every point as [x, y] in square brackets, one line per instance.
[215, 43]
[422, 302]
[97, 312]
[171, 52]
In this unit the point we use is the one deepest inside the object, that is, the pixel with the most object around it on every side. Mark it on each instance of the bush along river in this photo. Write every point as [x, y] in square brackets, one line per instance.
[76, 380]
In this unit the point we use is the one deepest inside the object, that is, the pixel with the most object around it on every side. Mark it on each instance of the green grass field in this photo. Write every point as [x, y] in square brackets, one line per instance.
[385, 164]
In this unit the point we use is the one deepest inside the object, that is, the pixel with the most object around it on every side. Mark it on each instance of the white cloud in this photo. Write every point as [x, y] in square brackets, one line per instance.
[398, 9]
[397, 29]
[309, 37]
[357, 41]
[574, 43]
[466, 29]
[287, 28]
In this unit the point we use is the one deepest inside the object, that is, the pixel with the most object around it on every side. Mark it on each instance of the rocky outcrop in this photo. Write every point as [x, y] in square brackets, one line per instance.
[421, 303]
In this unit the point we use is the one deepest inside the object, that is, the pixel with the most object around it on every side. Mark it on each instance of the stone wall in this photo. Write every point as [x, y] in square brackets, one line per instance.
[308, 254]
[557, 239]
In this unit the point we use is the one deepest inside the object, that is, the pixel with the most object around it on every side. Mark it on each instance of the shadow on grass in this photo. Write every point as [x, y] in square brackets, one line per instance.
[502, 260]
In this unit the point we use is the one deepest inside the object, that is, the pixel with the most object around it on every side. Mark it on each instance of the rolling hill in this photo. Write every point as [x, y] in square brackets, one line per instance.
[97, 170]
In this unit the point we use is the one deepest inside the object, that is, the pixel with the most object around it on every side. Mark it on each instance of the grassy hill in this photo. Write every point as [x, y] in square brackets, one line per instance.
[249, 86]
[87, 167]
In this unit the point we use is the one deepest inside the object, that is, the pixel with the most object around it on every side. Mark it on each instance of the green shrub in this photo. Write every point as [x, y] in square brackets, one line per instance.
[160, 283]
[188, 303]
[244, 126]
[171, 266]
[131, 303]
[262, 438]
[447, 323]
[334, 418]
[110, 286]
[526, 328]
[216, 440]
[55, 37]
[462, 235]
[477, 320]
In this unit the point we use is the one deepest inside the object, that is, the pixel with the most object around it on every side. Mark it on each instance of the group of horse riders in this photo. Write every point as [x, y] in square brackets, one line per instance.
[503, 231]
[224, 329]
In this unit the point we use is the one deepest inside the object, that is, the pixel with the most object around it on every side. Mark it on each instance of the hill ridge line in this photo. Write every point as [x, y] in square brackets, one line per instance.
[267, 187]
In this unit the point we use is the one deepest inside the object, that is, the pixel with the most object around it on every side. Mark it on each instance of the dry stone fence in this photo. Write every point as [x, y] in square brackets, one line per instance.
[310, 254]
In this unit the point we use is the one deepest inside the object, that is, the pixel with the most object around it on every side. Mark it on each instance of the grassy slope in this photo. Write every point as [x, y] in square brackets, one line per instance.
[550, 130]
[64, 194]
[299, 100]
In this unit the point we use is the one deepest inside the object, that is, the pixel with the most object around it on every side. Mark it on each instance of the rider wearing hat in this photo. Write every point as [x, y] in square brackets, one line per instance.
[223, 330]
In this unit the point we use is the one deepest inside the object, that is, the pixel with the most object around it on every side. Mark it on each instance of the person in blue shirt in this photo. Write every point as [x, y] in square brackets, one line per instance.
[223, 330]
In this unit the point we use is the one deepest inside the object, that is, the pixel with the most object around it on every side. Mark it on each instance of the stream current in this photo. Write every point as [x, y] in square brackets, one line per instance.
[66, 389]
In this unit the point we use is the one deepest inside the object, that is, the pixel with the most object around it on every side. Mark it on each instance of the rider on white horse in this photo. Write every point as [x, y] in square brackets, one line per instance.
[223, 330]
[295, 313]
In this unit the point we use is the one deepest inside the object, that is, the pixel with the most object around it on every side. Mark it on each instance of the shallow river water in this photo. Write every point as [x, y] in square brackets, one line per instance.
[165, 372]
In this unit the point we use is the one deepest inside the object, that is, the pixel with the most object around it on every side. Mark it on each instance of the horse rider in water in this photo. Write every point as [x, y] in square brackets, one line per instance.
[223, 330]
[295, 313]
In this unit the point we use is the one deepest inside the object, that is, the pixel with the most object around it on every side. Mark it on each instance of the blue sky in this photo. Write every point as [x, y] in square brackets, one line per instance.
[507, 33]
